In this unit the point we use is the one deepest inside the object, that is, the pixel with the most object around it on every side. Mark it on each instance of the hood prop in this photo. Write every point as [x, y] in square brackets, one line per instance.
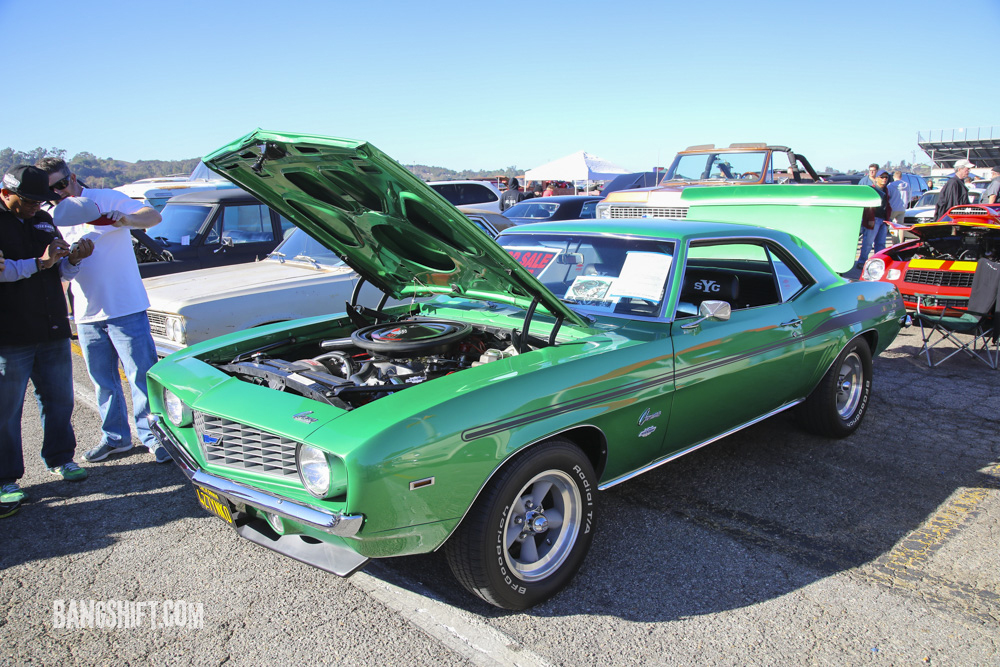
[268, 151]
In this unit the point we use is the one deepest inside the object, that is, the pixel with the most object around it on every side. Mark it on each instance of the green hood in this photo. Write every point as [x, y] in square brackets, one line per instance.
[384, 222]
[827, 217]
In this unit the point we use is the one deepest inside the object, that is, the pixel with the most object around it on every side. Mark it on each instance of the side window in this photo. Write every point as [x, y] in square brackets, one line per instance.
[249, 223]
[788, 283]
[739, 273]
[588, 209]
[483, 225]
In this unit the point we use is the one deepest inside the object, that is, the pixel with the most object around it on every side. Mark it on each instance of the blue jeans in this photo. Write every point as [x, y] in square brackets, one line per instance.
[50, 368]
[873, 240]
[103, 343]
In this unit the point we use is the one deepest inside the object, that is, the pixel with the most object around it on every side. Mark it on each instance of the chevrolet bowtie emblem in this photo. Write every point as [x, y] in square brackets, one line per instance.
[305, 418]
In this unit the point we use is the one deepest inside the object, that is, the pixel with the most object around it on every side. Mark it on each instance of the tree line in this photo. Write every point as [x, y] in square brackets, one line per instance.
[110, 173]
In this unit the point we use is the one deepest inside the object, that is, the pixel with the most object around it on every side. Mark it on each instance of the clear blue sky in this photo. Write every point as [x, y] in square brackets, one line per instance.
[475, 85]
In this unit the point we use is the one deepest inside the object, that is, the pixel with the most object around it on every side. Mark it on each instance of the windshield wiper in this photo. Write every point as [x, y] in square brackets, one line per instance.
[307, 258]
[164, 239]
[279, 255]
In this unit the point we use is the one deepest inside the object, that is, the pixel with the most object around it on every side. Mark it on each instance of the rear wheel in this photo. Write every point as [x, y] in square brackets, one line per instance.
[530, 530]
[839, 403]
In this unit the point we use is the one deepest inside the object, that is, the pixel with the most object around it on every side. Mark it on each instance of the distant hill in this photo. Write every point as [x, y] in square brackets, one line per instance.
[110, 173]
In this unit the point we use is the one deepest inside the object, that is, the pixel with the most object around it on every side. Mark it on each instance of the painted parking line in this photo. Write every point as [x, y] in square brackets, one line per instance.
[456, 629]
[903, 567]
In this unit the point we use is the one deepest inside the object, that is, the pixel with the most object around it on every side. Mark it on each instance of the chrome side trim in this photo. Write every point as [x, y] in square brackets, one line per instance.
[334, 523]
[667, 459]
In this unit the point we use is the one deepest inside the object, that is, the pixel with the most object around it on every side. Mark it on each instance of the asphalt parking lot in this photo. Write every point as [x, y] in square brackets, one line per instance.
[772, 547]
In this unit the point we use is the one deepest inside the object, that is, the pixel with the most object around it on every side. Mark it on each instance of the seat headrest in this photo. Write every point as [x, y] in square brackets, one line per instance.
[710, 284]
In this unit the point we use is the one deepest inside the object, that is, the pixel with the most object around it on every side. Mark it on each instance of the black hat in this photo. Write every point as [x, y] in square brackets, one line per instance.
[29, 183]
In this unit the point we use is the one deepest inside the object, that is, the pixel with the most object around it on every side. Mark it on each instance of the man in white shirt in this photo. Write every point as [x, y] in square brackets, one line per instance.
[109, 308]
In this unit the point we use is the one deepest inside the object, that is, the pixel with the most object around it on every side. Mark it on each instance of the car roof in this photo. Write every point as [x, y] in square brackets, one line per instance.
[224, 195]
[666, 228]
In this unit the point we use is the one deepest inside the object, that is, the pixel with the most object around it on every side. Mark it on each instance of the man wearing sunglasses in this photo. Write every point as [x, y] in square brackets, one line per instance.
[34, 330]
[109, 308]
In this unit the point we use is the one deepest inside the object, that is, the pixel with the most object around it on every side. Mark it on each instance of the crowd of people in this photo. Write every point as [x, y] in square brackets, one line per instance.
[95, 258]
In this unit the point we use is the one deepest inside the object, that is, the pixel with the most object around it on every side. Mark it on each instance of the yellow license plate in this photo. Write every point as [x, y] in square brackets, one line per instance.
[215, 504]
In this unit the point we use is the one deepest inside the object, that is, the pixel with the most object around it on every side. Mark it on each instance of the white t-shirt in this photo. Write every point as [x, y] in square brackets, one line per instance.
[109, 284]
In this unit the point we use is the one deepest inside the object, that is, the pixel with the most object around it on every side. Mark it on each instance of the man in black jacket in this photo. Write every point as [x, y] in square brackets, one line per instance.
[954, 192]
[34, 330]
[512, 196]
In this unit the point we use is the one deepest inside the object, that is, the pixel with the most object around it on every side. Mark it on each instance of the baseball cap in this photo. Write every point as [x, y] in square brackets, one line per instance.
[77, 211]
[29, 183]
[882, 172]
[962, 164]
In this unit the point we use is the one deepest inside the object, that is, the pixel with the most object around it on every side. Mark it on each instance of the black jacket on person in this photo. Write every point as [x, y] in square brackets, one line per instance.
[34, 309]
[954, 193]
[511, 196]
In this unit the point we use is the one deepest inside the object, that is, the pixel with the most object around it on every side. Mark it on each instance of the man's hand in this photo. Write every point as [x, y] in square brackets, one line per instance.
[82, 248]
[53, 253]
[119, 219]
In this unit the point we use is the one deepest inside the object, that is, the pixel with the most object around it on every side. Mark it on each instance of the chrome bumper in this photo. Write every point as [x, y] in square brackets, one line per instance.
[333, 523]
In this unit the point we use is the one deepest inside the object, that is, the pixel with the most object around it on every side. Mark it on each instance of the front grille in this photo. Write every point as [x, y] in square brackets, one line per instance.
[912, 220]
[969, 210]
[648, 212]
[230, 443]
[157, 323]
[940, 278]
[938, 302]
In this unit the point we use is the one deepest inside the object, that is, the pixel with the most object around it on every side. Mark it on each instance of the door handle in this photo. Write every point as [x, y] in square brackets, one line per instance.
[792, 323]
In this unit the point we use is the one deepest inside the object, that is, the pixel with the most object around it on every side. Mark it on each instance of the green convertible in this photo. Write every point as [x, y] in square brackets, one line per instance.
[520, 376]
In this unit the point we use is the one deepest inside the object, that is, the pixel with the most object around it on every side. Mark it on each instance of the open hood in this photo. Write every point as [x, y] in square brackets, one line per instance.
[384, 222]
[779, 207]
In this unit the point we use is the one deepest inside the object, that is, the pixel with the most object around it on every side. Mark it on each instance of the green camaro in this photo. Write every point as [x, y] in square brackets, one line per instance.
[521, 376]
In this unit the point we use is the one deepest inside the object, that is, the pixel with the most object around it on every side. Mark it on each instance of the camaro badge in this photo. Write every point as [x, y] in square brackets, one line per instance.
[647, 415]
[209, 439]
[305, 418]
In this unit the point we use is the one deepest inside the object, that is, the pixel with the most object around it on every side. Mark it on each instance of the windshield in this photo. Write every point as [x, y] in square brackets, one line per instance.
[719, 167]
[535, 210]
[928, 199]
[603, 275]
[180, 223]
[300, 247]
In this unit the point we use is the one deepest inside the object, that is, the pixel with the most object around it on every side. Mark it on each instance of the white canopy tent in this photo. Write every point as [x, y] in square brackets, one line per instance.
[579, 166]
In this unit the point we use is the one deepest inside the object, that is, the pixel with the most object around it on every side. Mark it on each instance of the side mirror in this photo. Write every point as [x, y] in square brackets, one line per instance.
[717, 311]
[226, 242]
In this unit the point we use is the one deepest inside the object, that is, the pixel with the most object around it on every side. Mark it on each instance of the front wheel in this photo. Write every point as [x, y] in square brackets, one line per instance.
[530, 530]
[837, 405]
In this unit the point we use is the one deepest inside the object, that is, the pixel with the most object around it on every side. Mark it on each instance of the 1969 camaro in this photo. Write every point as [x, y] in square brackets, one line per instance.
[559, 360]
[942, 261]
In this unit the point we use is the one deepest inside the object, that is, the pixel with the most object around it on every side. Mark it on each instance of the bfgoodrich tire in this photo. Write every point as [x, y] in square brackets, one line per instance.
[530, 529]
[839, 403]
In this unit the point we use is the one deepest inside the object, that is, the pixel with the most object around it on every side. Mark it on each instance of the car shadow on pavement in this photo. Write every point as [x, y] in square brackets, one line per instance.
[773, 509]
[122, 494]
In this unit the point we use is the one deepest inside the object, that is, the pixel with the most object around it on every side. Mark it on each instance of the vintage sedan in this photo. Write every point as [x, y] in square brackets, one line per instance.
[560, 360]
[941, 262]
[551, 209]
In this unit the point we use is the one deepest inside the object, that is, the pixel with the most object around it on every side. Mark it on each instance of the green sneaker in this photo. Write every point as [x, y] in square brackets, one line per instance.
[11, 493]
[6, 509]
[70, 472]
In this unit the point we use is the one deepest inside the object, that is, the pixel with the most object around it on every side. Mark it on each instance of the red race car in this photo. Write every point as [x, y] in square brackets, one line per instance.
[942, 260]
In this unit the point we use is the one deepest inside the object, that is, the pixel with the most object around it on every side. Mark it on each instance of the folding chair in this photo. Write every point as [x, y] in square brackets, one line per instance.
[978, 322]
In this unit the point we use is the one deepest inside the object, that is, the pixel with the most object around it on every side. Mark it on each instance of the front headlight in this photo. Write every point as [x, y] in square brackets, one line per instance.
[323, 475]
[175, 329]
[178, 413]
[874, 269]
[893, 274]
[603, 211]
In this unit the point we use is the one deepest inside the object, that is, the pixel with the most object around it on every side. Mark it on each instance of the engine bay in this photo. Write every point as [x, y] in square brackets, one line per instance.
[379, 359]
[969, 245]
